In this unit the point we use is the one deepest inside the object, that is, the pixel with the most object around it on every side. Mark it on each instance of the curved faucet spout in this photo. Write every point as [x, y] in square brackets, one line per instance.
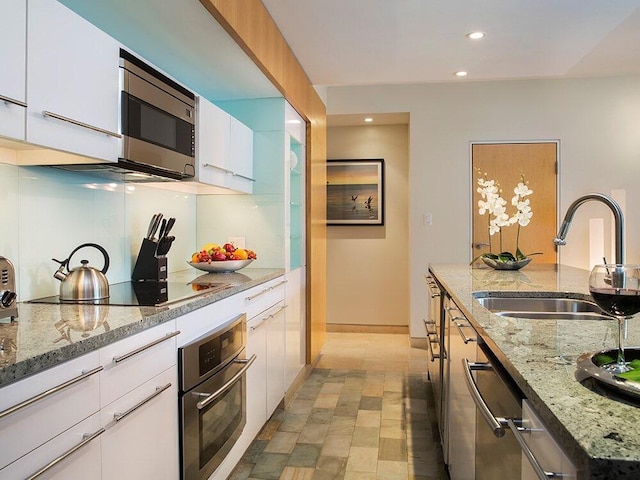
[617, 215]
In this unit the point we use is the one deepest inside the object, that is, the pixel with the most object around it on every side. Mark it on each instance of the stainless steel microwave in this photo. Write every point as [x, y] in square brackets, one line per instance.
[157, 122]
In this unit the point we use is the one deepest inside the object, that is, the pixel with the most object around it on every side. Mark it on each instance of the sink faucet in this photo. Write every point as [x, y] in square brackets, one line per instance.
[617, 215]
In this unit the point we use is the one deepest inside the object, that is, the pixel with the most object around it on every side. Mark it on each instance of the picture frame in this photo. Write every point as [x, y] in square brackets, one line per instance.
[355, 192]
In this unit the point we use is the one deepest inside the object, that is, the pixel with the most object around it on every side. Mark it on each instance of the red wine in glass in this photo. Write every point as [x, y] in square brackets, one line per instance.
[616, 290]
[619, 302]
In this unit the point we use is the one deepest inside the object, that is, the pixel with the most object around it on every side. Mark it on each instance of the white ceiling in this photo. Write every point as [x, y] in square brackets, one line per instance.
[364, 42]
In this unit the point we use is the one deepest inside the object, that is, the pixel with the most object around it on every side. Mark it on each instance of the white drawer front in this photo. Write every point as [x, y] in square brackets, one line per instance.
[136, 359]
[141, 440]
[36, 423]
[201, 321]
[77, 449]
[262, 297]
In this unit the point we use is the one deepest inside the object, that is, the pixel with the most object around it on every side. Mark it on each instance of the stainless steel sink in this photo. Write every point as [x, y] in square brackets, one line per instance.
[521, 305]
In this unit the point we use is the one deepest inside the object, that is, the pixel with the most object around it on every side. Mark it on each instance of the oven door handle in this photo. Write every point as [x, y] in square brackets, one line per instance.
[496, 424]
[213, 396]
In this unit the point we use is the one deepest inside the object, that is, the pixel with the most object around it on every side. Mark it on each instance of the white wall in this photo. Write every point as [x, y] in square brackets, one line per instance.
[597, 122]
[368, 266]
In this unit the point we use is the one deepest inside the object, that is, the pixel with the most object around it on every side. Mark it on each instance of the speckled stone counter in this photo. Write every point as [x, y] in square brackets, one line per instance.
[601, 435]
[46, 335]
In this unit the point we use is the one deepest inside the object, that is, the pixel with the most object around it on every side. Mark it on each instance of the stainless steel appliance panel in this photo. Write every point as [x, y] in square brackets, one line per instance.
[498, 454]
[212, 398]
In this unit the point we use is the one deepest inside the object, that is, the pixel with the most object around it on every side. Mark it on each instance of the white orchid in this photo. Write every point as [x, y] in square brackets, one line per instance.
[495, 206]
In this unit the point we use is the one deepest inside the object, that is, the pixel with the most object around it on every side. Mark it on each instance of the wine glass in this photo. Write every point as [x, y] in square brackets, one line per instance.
[616, 290]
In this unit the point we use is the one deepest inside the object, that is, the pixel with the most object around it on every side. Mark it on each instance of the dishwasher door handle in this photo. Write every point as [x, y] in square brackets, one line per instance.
[537, 468]
[496, 424]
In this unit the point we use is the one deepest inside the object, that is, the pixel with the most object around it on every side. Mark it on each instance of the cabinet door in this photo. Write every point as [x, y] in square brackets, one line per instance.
[134, 360]
[77, 449]
[141, 437]
[295, 328]
[257, 374]
[70, 393]
[13, 58]
[240, 157]
[275, 357]
[214, 126]
[73, 73]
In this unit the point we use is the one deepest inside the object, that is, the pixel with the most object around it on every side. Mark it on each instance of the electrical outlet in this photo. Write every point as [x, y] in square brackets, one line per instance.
[237, 242]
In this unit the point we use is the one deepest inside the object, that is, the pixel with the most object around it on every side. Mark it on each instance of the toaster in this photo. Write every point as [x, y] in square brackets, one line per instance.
[8, 305]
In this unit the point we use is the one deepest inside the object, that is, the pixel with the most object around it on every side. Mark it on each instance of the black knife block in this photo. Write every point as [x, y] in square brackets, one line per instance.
[148, 266]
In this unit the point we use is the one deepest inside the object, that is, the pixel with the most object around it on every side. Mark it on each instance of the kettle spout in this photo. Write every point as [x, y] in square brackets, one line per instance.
[60, 275]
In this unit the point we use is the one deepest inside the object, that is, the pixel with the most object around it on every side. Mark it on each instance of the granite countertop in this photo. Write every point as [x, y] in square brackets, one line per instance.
[599, 434]
[45, 335]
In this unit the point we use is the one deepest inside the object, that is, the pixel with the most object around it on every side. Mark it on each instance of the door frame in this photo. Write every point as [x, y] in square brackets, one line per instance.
[472, 186]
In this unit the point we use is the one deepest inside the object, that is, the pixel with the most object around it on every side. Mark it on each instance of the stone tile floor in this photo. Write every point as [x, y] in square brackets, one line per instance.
[364, 413]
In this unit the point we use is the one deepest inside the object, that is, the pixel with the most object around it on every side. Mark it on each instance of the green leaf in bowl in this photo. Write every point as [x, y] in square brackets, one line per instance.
[602, 359]
[631, 375]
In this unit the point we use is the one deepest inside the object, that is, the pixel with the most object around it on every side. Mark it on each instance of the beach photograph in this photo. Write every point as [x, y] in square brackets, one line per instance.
[355, 192]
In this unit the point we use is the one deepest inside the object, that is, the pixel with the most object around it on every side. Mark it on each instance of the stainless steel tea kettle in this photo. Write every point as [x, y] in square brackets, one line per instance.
[83, 283]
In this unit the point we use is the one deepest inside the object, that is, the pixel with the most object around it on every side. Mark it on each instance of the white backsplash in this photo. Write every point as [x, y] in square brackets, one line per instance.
[49, 212]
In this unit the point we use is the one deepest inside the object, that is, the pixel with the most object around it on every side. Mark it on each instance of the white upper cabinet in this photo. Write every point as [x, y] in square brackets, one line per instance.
[73, 83]
[13, 58]
[224, 149]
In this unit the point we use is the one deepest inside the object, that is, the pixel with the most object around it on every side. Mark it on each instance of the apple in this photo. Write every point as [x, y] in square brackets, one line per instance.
[229, 247]
[218, 256]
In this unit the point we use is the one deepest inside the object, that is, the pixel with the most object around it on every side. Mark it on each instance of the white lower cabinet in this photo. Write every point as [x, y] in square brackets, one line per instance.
[51, 401]
[141, 437]
[257, 375]
[295, 349]
[275, 356]
[74, 454]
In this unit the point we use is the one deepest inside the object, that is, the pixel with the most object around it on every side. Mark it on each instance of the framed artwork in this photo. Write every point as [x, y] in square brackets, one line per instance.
[355, 192]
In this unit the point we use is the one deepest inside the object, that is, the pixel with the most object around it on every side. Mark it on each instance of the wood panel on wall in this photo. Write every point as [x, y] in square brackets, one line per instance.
[250, 25]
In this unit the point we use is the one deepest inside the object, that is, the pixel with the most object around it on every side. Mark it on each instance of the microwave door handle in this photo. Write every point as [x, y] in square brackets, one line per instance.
[497, 424]
[213, 396]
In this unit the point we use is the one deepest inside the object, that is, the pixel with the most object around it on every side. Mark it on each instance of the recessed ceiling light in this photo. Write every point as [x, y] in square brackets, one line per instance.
[368, 119]
[476, 35]
[461, 73]
[293, 121]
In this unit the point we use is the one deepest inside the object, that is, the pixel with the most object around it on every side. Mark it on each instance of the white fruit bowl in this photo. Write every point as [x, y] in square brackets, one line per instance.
[222, 266]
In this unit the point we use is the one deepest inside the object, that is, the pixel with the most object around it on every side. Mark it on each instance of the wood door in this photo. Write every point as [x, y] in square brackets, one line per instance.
[506, 163]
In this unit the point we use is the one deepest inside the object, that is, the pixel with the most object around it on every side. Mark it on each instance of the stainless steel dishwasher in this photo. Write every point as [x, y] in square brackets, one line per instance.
[498, 454]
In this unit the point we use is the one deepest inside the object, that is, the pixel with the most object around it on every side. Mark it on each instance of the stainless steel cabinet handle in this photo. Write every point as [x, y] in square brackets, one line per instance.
[12, 100]
[540, 472]
[266, 290]
[228, 172]
[465, 339]
[126, 356]
[51, 391]
[497, 424]
[119, 416]
[429, 341]
[210, 398]
[267, 317]
[87, 438]
[81, 124]
[480, 245]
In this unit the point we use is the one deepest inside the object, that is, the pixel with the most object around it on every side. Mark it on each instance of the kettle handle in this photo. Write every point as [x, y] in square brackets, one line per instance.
[94, 245]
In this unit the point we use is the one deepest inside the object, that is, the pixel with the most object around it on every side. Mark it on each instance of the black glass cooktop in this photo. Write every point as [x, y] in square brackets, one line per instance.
[146, 293]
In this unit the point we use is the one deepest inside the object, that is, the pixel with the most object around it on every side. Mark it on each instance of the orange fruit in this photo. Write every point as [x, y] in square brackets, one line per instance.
[194, 258]
[241, 254]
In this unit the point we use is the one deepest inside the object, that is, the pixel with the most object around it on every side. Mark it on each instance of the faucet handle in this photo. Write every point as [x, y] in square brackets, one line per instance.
[559, 241]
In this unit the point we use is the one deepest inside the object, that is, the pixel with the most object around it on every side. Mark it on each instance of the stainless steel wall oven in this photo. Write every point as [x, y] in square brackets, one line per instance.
[212, 397]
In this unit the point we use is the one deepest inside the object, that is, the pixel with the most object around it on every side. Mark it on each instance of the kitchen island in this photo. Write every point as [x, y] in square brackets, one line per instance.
[599, 434]
[45, 335]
